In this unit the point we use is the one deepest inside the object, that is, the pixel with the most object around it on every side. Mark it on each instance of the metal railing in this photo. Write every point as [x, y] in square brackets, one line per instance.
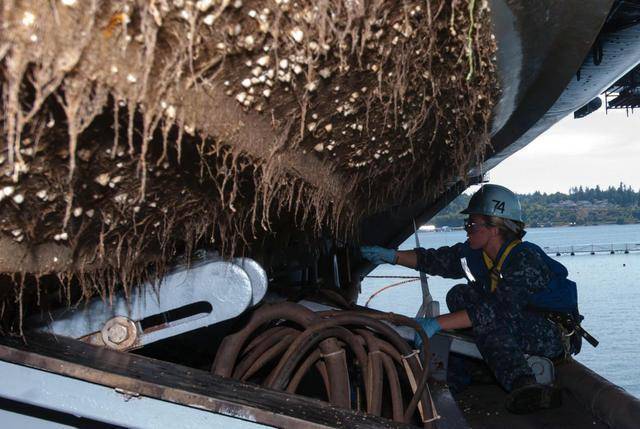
[592, 249]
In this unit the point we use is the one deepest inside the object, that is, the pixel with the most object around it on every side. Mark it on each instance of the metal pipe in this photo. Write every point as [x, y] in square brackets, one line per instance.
[282, 373]
[394, 387]
[261, 337]
[374, 385]
[336, 368]
[302, 370]
[249, 358]
[268, 355]
[413, 361]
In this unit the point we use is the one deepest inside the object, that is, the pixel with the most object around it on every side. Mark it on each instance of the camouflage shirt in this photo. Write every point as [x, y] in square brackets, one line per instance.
[524, 273]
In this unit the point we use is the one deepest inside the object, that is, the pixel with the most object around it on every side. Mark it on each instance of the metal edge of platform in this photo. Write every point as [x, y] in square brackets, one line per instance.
[139, 376]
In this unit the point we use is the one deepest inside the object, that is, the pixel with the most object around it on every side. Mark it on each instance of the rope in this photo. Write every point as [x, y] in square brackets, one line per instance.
[410, 355]
[324, 355]
[413, 279]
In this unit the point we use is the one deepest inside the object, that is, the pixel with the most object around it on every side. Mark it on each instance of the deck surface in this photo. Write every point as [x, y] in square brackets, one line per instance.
[175, 383]
[483, 407]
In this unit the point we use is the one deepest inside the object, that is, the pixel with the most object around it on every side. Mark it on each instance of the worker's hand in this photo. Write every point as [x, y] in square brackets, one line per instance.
[379, 255]
[430, 326]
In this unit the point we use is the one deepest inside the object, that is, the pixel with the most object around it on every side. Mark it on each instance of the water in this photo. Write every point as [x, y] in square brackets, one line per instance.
[608, 293]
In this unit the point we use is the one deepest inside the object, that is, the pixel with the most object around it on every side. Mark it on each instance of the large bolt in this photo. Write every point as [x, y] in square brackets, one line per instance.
[119, 333]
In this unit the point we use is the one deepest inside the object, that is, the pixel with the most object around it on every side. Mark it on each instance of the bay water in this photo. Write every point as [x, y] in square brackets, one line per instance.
[608, 292]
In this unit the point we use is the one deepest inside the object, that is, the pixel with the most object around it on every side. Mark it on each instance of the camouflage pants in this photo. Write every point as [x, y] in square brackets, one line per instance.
[504, 336]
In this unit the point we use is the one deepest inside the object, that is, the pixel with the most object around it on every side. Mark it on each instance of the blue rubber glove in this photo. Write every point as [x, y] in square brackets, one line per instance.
[430, 326]
[379, 255]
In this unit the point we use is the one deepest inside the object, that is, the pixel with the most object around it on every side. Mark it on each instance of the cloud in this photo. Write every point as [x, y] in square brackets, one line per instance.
[601, 149]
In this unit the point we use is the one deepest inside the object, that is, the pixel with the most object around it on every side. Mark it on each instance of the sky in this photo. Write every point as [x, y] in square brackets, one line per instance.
[600, 149]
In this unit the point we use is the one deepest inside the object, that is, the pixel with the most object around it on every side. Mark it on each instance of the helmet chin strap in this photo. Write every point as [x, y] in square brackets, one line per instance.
[515, 228]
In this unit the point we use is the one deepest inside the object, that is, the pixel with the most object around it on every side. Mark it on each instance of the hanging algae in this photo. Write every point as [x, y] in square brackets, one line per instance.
[132, 130]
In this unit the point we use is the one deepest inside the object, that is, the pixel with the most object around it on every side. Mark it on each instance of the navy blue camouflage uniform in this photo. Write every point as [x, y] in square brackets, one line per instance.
[503, 326]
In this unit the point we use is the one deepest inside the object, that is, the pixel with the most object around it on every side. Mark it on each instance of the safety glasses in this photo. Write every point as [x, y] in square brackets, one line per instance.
[472, 227]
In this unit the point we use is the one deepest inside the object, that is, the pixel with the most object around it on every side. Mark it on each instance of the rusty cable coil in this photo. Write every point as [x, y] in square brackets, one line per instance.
[354, 358]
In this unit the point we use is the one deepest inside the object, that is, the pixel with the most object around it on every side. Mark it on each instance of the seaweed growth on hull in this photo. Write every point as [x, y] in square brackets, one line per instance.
[131, 129]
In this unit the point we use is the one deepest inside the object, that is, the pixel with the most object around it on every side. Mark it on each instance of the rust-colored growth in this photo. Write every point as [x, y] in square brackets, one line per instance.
[132, 128]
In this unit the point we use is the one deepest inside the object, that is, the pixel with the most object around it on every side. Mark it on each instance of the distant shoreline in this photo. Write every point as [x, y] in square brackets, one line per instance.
[432, 228]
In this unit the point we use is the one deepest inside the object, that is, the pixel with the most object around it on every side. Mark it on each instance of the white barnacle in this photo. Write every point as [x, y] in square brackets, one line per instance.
[63, 236]
[284, 63]
[285, 77]
[77, 212]
[328, 128]
[42, 194]
[319, 147]
[120, 198]
[16, 232]
[131, 78]
[204, 5]
[171, 112]
[185, 14]
[297, 69]
[311, 86]
[297, 34]
[18, 198]
[8, 191]
[311, 126]
[68, 2]
[264, 60]
[209, 20]
[246, 83]
[252, 13]
[28, 19]
[234, 30]
[102, 179]
[266, 93]
[241, 97]
[249, 41]
[256, 71]
[325, 73]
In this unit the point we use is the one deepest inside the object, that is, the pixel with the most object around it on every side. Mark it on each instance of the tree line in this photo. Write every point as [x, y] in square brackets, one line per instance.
[581, 206]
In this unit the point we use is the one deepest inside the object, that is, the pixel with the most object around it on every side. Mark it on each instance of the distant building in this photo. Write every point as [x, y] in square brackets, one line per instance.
[427, 228]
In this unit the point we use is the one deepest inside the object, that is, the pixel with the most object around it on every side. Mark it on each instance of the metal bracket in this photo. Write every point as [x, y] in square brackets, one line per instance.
[207, 292]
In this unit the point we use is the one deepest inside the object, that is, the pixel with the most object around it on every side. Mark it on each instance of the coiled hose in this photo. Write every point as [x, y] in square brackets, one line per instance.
[353, 352]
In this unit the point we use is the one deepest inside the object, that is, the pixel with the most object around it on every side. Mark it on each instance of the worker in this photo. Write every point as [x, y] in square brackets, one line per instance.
[511, 286]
